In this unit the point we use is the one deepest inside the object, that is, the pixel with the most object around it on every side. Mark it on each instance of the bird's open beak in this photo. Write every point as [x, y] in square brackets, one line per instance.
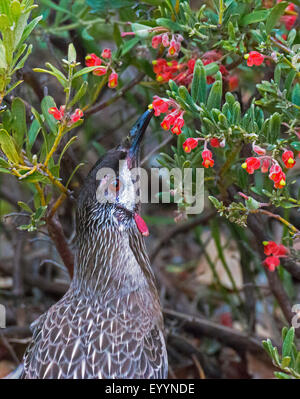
[136, 136]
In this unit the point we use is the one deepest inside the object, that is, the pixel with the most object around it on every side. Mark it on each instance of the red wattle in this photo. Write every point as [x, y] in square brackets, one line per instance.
[141, 224]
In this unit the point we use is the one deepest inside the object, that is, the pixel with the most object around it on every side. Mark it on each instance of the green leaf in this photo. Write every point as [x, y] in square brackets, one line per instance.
[8, 146]
[25, 207]
[22, 61]
[18, 113]
[33, 132]
[282, 376]
[104, 5]
[129, 45]
[141, 31]
[286, 361]
[274, 128]
[215, 95]
[198, 89]
[296, 94]
[288, 342]
[79, 94]
[275, 14]
[3, 63]
[211, 69]
[29, 28]
[216, 203]
[254, 17]
[48, 102]
[59, 76]
[168, 23]
[71, 53]
[84, 71]
[296, 145]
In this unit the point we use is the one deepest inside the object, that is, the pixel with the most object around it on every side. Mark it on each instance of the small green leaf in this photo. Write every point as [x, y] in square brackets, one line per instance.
[215, 95]
[168, 23]
[48, 102]
[25, 207]
[275, 14]
[254, 17]
[8, 146]
[288, 342]
[129, 45]
[84, 71]
[285, 361]
[198, 90]
[211, 69]
[141, 31]
[71, 53]
[296, 145]
[18, 113]
[296, 94]
[216, 203]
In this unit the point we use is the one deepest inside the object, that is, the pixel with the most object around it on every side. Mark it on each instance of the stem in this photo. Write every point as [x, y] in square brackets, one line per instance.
[54, 180]
[41, 194]
[55, 145]
[277, 217]
[221, 11]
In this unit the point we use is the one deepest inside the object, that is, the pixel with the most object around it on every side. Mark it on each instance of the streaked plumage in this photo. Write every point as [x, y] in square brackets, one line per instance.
[109, 324]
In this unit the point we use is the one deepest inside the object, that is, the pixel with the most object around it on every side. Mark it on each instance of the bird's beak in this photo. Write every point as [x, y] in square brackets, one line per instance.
[136, 136]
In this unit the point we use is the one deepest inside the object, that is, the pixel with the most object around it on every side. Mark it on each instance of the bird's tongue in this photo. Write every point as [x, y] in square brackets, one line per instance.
[141, 224]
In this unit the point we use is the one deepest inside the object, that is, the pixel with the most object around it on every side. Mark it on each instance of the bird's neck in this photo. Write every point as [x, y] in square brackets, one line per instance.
[106, 262]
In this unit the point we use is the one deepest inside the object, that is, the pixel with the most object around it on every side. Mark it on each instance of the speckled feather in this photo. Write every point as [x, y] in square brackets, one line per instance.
[109, 323]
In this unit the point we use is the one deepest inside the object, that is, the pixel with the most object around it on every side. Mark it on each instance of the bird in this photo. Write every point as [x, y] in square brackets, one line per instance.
[109, 324]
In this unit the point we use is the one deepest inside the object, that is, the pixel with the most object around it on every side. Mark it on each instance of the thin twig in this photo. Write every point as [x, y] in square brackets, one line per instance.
[229, 336]
[182, 228]
[157, 148]
[117, 96]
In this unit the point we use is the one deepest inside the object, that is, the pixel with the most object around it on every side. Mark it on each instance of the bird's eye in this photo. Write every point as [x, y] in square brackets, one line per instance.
[115, 185]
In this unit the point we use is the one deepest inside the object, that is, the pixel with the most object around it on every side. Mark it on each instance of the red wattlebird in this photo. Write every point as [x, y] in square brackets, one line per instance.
[109, 323]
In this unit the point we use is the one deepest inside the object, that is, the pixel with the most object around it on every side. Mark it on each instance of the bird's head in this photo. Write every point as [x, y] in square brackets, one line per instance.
[111, 189]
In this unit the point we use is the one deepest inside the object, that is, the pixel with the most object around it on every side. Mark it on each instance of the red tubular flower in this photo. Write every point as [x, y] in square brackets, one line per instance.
[106, 53]
[270, 248]
[233, 83]
[215, 142]
[165, 40]
[265, 165]
[58, 114]
[100, 71]
[254, 58]
[113, 80]
[208, 162]
[156, 40]
[288, 159]
[92, 60]
[158, 65]
[258, 150]
[289, 21]
[191, 65]
[190, 144]
[276, 174]
[251, 164]
[168, 121]
[178, 125]
[172, 49]
[274, 252]
[76, 115]
[160, 106]
[271, 262]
